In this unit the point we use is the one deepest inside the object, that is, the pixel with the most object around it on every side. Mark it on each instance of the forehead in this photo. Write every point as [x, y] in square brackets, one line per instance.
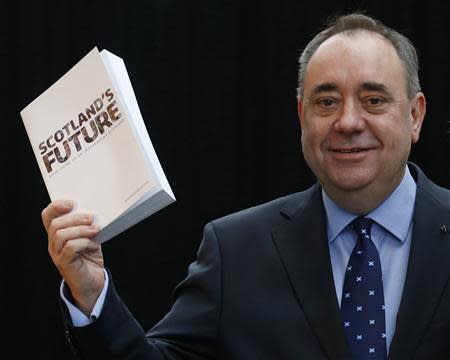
[348, 60]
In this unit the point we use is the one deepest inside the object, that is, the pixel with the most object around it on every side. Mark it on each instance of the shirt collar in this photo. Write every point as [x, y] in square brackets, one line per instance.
[394, 214]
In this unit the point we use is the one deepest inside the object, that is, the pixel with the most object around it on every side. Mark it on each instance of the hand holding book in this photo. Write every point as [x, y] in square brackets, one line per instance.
[78, 259]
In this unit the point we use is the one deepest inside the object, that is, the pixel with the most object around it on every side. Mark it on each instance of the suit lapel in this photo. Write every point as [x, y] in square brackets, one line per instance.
[427, 273]
[303, 248]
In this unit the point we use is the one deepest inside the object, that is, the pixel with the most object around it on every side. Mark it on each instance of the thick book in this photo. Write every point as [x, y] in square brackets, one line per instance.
[92, 145]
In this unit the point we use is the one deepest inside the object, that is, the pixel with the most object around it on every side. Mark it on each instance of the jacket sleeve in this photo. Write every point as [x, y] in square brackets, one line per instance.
[189, 331]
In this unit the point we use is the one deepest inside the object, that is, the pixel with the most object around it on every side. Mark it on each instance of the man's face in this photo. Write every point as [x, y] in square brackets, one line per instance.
[357, 120]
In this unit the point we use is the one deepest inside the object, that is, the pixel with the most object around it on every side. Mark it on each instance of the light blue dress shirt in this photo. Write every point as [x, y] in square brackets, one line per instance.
[391, 233]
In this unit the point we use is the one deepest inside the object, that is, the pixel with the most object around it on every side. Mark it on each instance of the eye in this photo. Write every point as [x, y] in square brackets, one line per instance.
[375, 101]
[325, 105]
[375, 104]
[326, 102]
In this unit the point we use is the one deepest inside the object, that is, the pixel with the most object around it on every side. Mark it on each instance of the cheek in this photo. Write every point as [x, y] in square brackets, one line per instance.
[388, 130]
[399, 133]
[314, 130]
[394, 137]
[311, 140]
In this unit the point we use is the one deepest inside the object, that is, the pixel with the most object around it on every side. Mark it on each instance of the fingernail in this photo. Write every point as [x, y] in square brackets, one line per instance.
[68, 203]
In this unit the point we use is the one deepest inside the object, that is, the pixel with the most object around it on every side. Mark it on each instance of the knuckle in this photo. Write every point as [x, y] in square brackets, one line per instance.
[69, 248]
[54, 226]
[84, 218]
[58, 235]
[67, 251]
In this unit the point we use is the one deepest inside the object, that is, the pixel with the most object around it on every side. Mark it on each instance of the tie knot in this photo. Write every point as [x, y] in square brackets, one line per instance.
[362, 225]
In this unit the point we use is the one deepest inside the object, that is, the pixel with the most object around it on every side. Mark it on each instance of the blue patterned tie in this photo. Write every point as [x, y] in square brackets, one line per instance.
[362, 304]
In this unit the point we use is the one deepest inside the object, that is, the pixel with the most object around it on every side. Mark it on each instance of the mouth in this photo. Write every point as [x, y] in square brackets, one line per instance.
[350, 150]
[352, 154]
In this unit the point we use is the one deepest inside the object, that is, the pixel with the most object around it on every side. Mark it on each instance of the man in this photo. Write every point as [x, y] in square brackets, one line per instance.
[356, 267]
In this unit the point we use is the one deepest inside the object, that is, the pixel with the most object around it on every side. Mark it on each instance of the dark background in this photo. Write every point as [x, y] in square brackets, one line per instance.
[216, 82]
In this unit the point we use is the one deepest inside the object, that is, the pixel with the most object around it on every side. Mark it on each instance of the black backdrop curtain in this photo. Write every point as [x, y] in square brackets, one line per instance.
[216, 82]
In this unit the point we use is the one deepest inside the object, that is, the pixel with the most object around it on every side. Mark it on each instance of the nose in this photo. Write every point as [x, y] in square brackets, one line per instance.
[350, 119]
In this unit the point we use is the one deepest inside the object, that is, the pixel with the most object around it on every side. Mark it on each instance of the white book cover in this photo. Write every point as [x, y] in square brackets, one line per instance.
[92, 145]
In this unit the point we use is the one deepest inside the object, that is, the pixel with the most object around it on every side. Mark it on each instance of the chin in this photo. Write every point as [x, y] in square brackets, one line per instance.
[350, 182]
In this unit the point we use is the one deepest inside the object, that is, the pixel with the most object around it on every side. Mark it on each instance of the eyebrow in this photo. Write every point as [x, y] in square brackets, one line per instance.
[374, 86]
[367, 86]
[324, 87]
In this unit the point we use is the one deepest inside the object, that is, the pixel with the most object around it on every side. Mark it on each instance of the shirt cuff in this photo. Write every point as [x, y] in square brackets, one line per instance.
[79, 319]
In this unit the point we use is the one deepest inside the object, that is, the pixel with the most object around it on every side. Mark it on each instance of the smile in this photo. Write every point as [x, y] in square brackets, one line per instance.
[352, 150]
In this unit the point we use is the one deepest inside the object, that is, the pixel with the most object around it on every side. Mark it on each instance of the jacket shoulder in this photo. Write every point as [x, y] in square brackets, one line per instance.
[436, 193]
[269, 214]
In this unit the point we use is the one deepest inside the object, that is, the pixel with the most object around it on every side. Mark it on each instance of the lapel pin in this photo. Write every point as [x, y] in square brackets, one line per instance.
[444, 229]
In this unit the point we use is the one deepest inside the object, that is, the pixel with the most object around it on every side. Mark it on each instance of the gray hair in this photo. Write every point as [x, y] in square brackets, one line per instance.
[357, 22]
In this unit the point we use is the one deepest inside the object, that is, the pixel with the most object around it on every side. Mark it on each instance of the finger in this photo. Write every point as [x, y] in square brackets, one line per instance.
[69, 220]
[54, 210]
[62, 236]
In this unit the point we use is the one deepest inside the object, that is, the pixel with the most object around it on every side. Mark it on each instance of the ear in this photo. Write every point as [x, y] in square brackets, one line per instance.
[301, 111]
[417, 110]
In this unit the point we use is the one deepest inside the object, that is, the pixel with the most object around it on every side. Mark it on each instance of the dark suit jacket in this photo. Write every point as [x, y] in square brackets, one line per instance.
[262, 288]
